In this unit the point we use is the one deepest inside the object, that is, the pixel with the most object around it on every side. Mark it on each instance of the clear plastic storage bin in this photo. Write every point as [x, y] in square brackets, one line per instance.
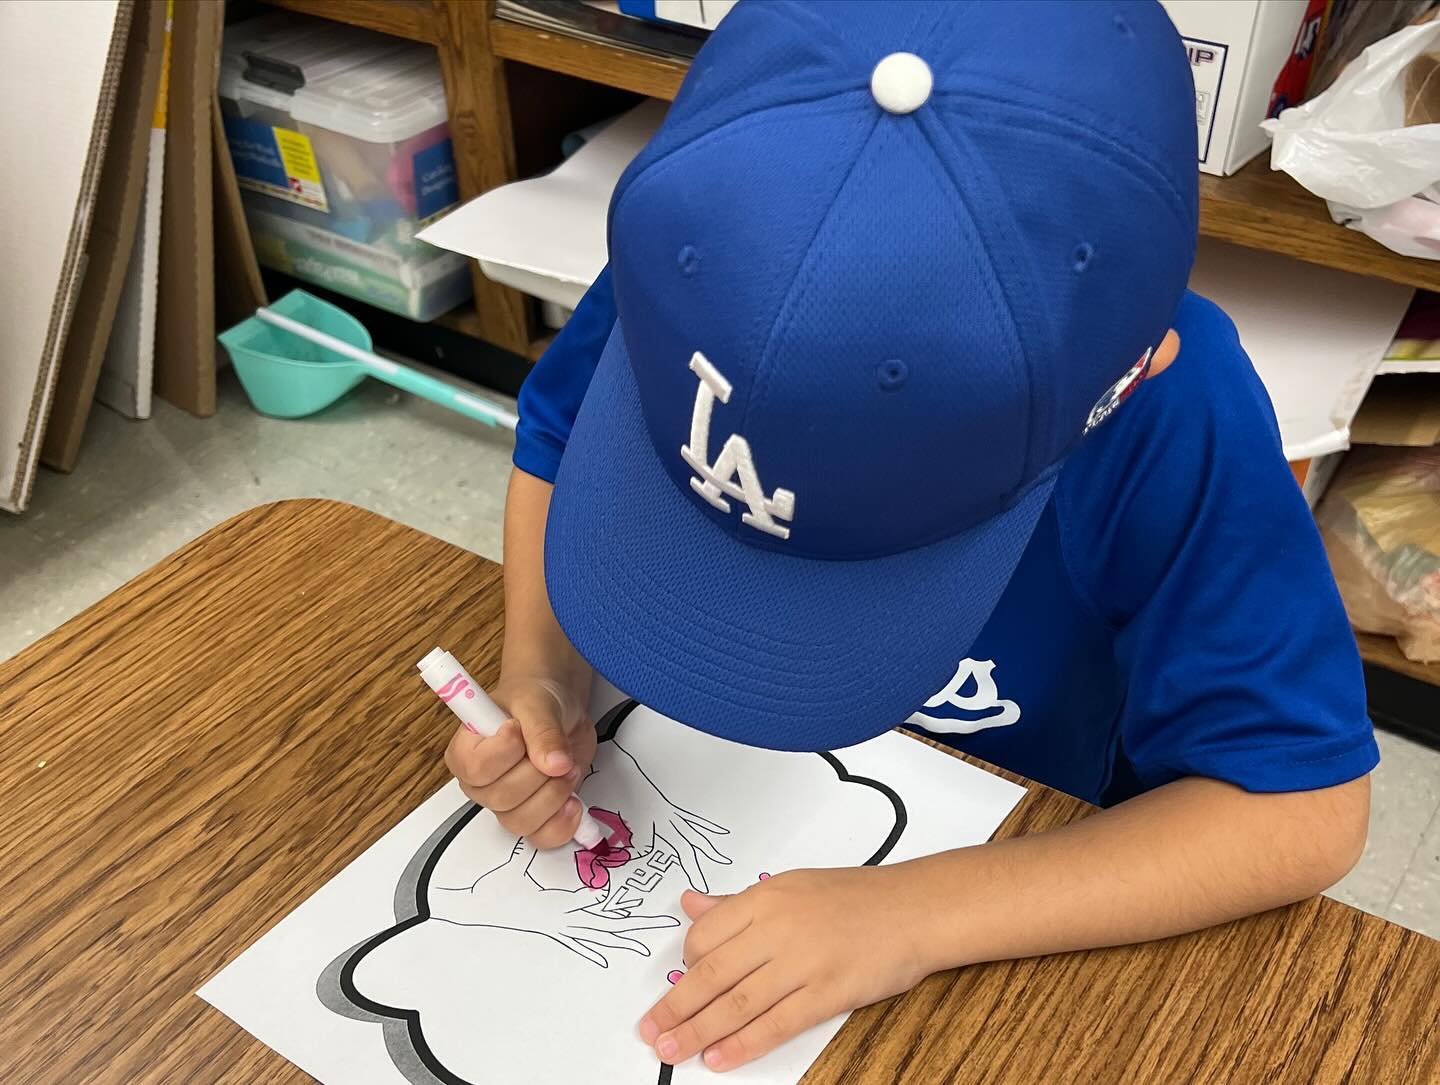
[342, 149]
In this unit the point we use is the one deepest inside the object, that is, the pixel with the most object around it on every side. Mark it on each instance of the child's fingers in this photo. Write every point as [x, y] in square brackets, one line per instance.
[721, 922]
[546, 743]
[550, 813]
[705, 981]
[789, 1017]
[559, 830]
[479, 762]
[583, 742]
[515, 787]
[726, 1014]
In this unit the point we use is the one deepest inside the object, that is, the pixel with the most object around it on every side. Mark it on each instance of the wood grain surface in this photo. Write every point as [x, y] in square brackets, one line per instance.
[411, 19]
[1386, 653]
[193, 756]
[612, 65]
[479, 103]
[1261, 208]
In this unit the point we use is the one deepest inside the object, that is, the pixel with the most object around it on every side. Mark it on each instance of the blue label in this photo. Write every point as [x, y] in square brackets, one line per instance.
[253, 150]
[435, 184]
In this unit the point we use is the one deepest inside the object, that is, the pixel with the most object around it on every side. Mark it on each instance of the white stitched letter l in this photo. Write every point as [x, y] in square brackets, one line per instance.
[714, 482]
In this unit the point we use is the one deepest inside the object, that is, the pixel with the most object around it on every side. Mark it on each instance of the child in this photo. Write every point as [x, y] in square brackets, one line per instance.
[846, 459]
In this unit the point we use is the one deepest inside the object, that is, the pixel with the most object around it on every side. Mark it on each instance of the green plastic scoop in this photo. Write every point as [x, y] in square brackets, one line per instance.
[302, 354]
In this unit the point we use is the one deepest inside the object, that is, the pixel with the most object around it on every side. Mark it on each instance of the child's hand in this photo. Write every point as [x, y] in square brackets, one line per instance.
[786, 954]
[526, 773]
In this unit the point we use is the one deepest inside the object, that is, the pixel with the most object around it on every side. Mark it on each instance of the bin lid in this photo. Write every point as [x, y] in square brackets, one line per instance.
[353, 81]
[388, 99]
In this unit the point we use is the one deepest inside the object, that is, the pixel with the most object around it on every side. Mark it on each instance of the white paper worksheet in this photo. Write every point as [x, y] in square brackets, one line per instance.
[452, 953]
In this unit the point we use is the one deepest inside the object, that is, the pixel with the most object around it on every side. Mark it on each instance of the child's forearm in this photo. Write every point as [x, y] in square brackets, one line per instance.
[535, 646]
[1188, 855]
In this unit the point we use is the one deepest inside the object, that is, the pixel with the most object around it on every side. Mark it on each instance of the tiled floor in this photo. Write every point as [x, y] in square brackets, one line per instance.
[142, 489]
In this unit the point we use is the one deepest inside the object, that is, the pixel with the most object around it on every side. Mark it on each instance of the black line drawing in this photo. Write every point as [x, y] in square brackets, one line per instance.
[573, 918]
[586, 936]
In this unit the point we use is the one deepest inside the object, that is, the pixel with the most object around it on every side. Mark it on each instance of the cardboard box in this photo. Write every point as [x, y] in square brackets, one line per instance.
[1236, 48]
[1403, 411]
[705, 14]
[185, 310]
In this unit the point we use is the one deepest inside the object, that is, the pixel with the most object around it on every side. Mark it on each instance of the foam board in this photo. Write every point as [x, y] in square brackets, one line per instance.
[128, 372]
[112, 237]
[60, 64]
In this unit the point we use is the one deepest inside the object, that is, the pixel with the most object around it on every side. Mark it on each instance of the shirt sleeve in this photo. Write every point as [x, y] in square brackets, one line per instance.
[1241, 664]
[552, 393]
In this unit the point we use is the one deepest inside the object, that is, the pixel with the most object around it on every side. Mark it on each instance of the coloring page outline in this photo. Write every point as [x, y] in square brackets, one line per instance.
[602, 919]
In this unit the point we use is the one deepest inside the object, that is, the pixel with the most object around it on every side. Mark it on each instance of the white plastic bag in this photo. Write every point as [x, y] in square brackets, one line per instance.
[1351, 146]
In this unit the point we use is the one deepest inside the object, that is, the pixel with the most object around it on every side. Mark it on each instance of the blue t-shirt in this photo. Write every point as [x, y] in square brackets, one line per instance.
[1173, 614]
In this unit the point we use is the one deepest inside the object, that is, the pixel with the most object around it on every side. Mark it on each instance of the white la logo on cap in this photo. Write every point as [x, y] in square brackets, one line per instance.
[717, 480]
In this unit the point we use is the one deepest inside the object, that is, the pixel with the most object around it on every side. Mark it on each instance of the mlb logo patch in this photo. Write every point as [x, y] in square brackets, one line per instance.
[1118, 392]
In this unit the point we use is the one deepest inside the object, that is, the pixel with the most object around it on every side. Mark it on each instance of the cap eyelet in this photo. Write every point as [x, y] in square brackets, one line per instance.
[1080, 258]
[688, 259]
[1124, 27]
[901, 83]
[892, 373]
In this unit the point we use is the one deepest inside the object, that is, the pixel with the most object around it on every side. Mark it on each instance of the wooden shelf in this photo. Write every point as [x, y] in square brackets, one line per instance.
[464, 320]
[412, 19]
[1257, 208]
[607, 64]
[1383, 652]
[1261, 208]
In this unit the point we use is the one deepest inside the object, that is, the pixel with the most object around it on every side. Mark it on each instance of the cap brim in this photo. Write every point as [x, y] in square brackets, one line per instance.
[745, 643]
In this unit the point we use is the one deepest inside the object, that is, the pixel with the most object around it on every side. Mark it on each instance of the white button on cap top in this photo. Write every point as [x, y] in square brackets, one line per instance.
[901, 83]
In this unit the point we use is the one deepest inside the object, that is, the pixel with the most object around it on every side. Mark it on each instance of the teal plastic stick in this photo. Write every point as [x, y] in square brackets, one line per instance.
[400, 376]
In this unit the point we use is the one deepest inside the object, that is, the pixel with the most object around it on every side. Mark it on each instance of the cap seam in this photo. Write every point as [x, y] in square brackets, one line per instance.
[759, 388]
[706, 134]
[994, 284]
[1071, 126]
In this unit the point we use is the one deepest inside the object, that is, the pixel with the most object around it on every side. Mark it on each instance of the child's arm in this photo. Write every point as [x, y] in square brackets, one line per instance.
[799, 948]
[525, 774]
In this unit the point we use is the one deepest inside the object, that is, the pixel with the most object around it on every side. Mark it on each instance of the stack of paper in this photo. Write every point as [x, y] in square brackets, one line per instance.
[546, 236]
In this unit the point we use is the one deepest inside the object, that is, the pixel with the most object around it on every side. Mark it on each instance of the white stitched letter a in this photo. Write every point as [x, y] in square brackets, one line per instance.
[733, 473]
[985, 698]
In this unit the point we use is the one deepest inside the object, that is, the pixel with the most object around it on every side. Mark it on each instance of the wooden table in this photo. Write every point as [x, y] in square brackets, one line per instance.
[176, 778]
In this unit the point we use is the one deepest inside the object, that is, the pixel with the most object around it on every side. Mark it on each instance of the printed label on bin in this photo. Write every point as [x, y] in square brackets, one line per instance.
[1207, 66]
[436, 188]
[276, 161]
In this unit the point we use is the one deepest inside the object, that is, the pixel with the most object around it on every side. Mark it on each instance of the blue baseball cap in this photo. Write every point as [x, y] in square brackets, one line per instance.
[878, 273]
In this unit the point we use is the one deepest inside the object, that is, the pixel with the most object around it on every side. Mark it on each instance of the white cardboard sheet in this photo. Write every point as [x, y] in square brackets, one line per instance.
[450, 952]
[59, 62]
[127, 377]
[546, 235]
[1316, 336]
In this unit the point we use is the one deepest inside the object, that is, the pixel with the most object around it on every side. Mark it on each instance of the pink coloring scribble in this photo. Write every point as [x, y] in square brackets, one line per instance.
[592, 864]
[674, 976]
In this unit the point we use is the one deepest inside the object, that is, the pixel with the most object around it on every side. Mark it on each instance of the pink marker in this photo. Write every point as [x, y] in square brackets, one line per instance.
[481, 716]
